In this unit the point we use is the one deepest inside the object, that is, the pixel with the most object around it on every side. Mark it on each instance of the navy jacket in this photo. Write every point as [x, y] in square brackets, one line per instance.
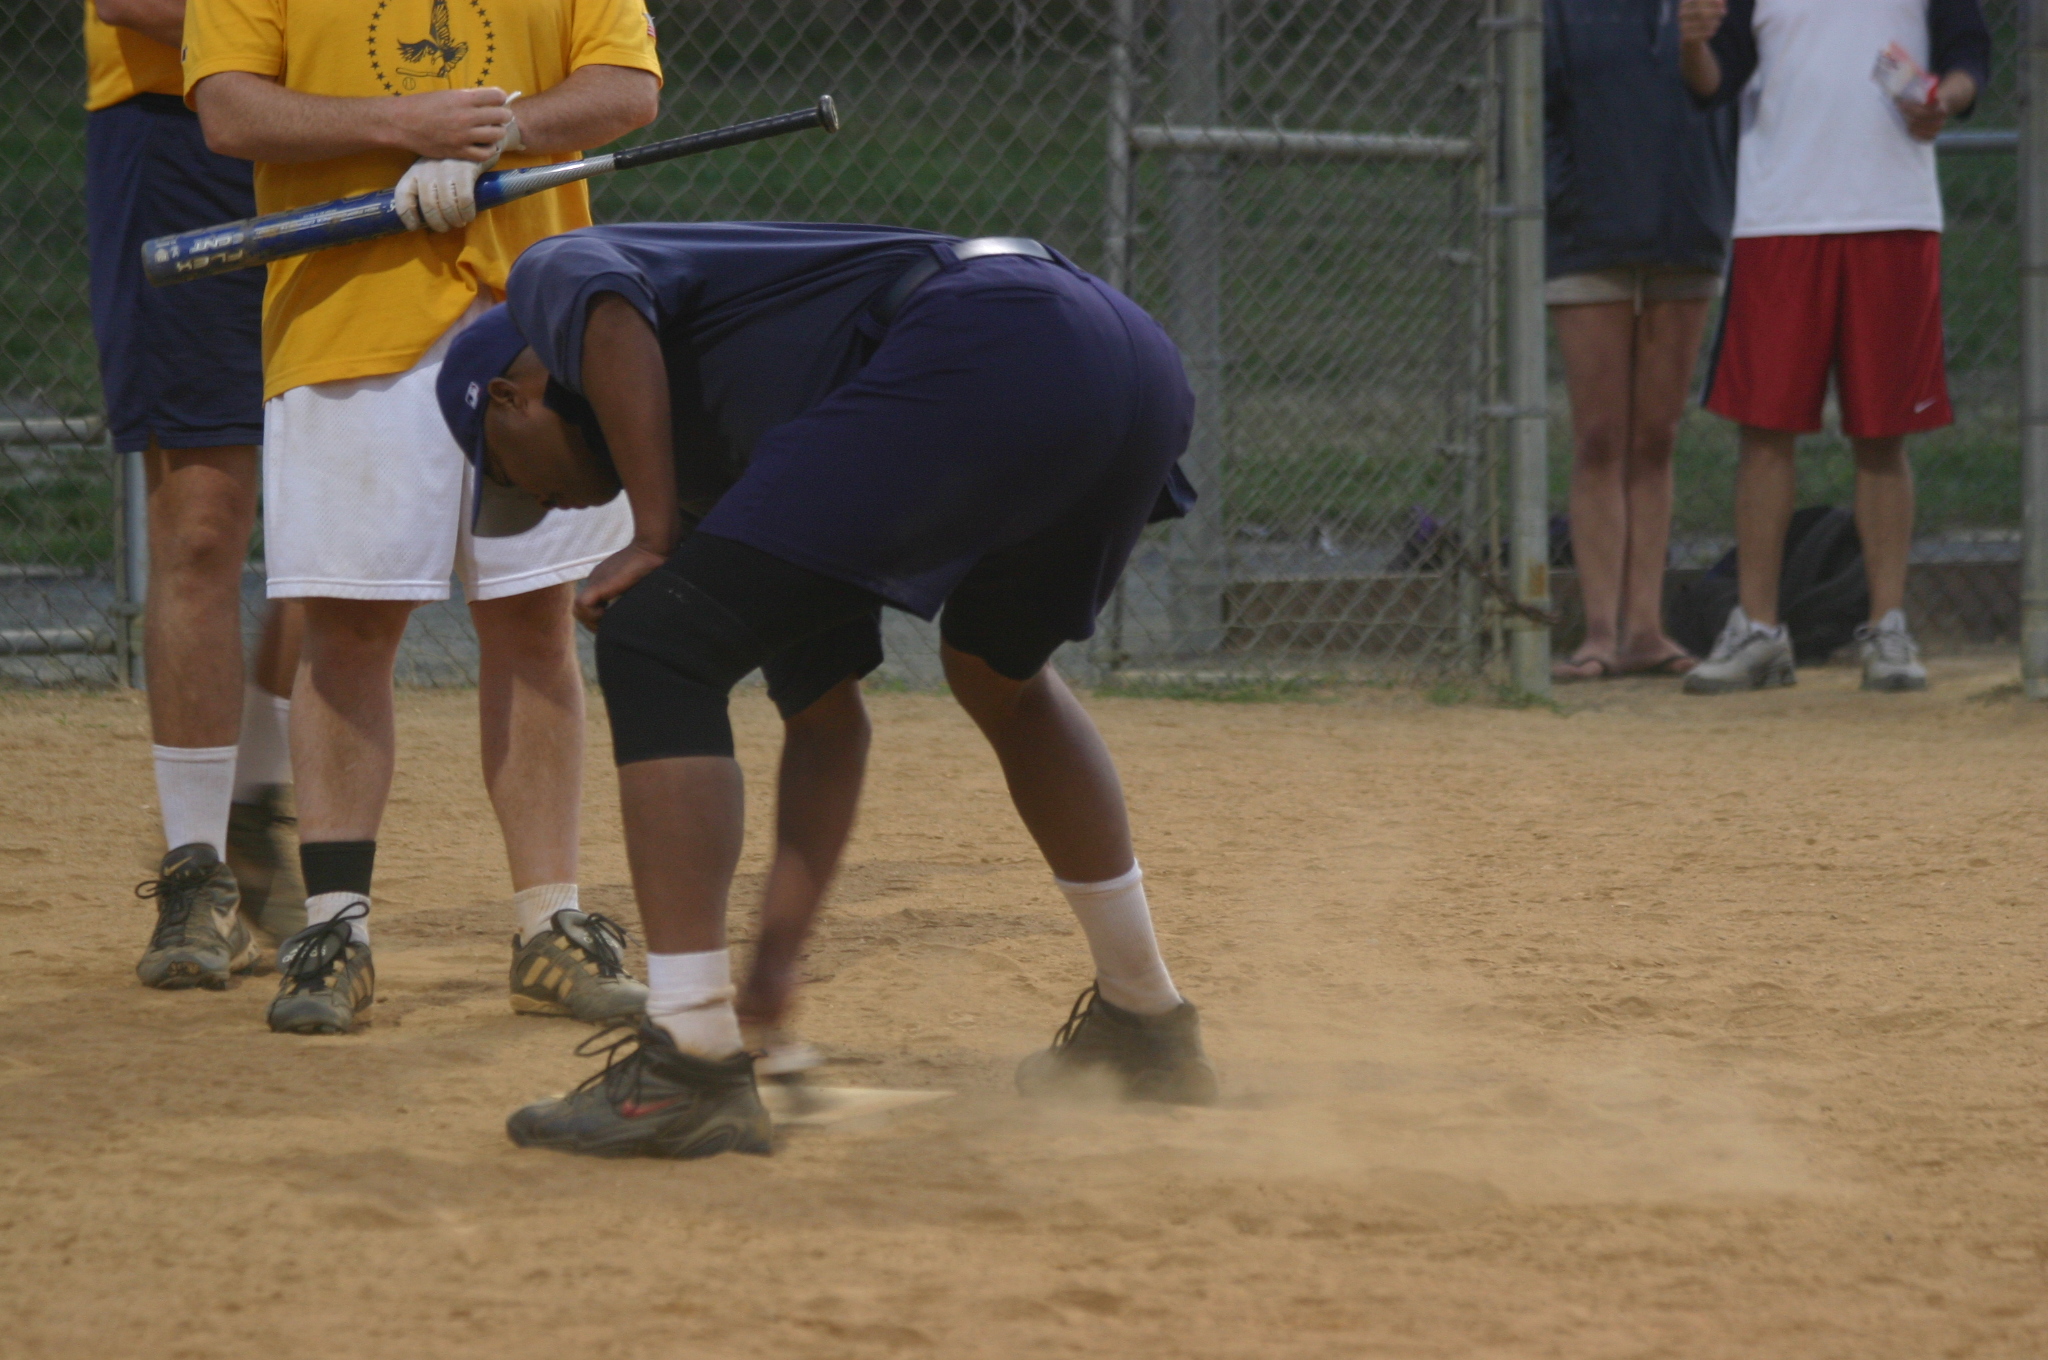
[1635, 171]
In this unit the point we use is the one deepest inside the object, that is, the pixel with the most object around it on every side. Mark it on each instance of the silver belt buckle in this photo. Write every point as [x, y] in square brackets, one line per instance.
[999, 245]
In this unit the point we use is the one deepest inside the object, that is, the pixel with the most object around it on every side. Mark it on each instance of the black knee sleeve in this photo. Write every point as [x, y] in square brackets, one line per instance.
[670, 649]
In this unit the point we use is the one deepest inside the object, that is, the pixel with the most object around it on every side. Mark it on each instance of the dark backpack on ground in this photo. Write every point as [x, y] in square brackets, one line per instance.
[1822, 593]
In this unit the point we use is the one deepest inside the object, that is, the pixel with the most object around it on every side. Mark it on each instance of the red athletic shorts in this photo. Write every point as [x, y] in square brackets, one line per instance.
[1867, 304]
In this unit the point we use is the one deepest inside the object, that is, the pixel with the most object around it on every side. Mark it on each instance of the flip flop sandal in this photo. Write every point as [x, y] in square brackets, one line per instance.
[1574, 670]
[1676, 663]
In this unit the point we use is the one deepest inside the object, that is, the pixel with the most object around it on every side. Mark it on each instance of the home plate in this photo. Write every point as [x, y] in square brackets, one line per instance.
[802, 1105]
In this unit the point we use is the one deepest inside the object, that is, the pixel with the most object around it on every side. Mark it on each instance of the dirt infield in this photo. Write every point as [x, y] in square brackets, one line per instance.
[1667, 1027]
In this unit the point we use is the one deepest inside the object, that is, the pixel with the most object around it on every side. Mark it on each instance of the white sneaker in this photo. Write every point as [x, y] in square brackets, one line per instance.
[1747, 655]
[1891, 660]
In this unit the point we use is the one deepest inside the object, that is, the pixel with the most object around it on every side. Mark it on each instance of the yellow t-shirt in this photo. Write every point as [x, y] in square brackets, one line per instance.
[361, 310]
[121, 63]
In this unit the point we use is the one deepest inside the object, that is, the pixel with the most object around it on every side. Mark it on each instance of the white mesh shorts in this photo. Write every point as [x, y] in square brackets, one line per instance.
[367, 497]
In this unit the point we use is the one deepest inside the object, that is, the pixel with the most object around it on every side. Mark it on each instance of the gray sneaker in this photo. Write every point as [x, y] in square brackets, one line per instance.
[574, 968]
[199, 938]
[1891, 660]
[328, 978]
[1746, 656]
[263, 850]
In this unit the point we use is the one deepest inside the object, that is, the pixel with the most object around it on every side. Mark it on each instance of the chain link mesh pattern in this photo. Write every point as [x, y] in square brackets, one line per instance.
[1334, 296]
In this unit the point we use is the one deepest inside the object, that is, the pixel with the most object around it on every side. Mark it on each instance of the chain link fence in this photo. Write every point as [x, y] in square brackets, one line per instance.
[1322, 256]
[1306, 194]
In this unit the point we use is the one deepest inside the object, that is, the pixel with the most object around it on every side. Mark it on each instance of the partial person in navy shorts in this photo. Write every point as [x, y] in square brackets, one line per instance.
[975, 431]
[182, 372]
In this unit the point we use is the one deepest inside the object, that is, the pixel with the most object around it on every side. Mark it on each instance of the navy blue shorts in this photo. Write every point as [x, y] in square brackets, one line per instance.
[183, 364]
[998, 455]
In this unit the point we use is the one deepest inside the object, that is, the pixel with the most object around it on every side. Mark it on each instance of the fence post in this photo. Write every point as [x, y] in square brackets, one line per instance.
[1527, 371]
[2033, 175]
[1194, 211]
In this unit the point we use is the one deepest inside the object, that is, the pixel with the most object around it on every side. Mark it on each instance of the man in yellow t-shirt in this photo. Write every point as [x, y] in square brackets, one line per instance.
[182, 374]
[365, 492]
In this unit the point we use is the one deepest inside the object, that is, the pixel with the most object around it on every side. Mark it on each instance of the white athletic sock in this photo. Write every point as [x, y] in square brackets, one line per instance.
[536, 906]
[1118, 923]
[326, 906]
[690, 996]
[264, 756]
[193, 786]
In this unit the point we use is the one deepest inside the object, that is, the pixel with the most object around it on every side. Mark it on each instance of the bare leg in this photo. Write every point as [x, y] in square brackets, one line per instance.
[684, 817]
[824, 757]
[1766, 484]
[1598, 342]
[342, 739]
[202, 508]
[1667, 346]
[530, 704]
[1060, 774]
[1884, 519]
[276, 663]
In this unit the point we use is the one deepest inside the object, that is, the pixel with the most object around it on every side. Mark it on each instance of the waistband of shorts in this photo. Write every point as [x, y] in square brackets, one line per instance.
[154, 103]
[890, 304]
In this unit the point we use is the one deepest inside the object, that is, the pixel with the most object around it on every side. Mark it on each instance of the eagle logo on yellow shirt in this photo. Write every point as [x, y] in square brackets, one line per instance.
[457, 31]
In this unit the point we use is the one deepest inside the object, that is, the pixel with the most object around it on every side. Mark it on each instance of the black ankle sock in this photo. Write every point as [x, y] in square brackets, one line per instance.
[337, 866]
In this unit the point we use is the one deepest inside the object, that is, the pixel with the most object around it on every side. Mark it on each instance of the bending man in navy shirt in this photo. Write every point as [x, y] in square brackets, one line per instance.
[811, 422]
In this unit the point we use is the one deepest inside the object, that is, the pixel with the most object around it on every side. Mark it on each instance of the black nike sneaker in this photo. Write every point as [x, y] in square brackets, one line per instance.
[1106, 1049]
[328, 977]
[199, 937]
[654, 1101]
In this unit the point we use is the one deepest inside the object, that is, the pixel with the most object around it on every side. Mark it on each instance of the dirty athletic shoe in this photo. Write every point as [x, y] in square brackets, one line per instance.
[1891, 660]
[655, 1101]
[199, 937]
[328, 978]
[573, 968]
[263, 850]
[1746, 656]
[1138, 1057]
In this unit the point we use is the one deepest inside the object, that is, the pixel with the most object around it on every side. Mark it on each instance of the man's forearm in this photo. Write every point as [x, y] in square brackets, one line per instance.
[1700, 68]
[163, 20]
[595, 105]
[1957, 92]
[625, 379]
[257, 119]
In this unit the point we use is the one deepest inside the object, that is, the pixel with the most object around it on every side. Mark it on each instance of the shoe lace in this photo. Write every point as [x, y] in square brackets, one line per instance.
[176, 893]
[607, 939]
[624, 1075]
[1733, 634]
[1084, 1006]
[1894, 647]
[311, 955]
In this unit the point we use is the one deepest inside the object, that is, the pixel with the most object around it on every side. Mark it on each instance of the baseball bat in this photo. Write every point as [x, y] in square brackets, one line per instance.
[299, 231]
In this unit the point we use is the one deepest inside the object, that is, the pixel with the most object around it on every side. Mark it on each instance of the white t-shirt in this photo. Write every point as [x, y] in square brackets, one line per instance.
[1823, 148]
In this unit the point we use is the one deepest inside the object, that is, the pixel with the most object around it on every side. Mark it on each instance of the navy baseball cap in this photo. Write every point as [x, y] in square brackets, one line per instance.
[483, 351]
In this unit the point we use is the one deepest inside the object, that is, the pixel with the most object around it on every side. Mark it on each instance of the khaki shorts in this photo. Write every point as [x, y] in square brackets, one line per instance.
[1640, 284]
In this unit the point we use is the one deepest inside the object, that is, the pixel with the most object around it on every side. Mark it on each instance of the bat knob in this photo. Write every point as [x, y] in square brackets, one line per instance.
[828, 113]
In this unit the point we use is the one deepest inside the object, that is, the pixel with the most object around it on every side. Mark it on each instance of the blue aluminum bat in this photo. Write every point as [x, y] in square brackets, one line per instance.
[299, 231]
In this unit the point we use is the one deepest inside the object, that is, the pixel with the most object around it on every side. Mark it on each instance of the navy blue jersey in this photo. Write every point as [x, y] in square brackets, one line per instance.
[758, 320]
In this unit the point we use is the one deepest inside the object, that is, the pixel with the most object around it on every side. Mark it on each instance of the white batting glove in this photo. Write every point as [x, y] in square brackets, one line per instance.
[441, 194]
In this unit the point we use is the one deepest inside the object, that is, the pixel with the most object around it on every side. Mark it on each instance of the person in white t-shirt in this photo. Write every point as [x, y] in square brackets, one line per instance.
[1836, 267]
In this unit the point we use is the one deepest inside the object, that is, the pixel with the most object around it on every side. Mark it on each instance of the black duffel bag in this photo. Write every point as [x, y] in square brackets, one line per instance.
[1822, 593]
